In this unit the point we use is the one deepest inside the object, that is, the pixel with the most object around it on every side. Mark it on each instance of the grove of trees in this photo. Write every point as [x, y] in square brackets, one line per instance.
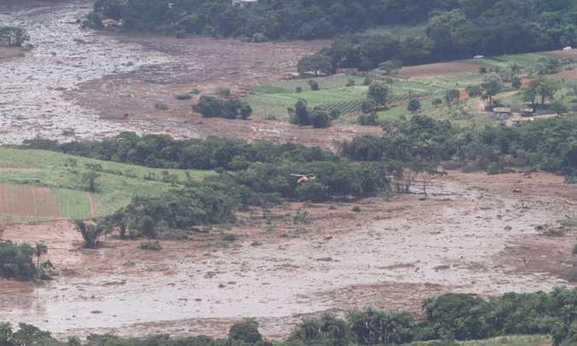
[549, 144]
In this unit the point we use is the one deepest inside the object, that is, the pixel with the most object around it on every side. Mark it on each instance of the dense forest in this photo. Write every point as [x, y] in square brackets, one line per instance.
[548, 144]
[452, 29]
[447, 318]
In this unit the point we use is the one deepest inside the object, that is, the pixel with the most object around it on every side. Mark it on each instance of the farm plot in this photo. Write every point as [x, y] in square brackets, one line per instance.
[27, 200]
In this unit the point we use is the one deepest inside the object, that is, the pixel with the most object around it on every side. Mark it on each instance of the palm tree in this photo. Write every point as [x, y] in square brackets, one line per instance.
[39, 250]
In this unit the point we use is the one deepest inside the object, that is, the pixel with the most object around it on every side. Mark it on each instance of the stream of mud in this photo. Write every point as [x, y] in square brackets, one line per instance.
[399, 253]
[32, 87]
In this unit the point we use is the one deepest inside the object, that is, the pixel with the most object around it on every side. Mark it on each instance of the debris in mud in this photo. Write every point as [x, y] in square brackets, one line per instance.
[551, 230]
[95, 312]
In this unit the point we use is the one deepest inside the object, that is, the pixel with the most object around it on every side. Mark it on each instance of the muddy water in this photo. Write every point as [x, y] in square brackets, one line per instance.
[32, 87]
[451, 242]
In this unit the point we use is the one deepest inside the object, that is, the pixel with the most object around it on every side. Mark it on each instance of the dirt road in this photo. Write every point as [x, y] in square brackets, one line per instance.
[475, 235]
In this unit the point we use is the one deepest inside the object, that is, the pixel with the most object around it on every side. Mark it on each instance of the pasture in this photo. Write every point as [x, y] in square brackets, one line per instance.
[38, 185]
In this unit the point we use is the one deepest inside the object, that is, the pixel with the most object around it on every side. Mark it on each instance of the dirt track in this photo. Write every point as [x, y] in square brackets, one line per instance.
[475, 235]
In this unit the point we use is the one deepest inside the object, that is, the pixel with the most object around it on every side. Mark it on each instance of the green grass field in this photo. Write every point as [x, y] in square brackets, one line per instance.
[117, 183]
[271, 100]
[534, 340]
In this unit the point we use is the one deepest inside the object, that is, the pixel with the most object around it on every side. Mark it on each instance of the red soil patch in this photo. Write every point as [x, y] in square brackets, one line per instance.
[27, 200]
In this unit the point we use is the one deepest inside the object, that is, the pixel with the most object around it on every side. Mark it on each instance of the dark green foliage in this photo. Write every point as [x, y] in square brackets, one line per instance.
[549, 144]
[314, 85]
[315, 65]
[300, 114]
[378, 93]
[320, 118]
[456, 30]
[183, 97]
[16, 261]
[211, 107]
[414, 105]
[246, 331]
[161, 106]
[148, 245]
[90, 232]
[13, 36]
[162, 151]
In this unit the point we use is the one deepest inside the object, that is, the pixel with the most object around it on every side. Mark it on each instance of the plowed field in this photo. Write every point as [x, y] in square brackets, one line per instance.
[28, 201]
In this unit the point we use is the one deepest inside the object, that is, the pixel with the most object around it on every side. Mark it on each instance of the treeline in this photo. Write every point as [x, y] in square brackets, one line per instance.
[163, 151]
[448, 318]
[251, 174]
[265, 19]
[549, 144]
[489, 28]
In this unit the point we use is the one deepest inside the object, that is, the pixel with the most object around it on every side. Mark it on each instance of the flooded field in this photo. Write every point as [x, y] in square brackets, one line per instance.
[475, 235]
[77, 83]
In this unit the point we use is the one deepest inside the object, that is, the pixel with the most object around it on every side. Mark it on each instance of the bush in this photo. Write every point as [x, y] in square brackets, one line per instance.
[314, 85]
[183, 97]
[210, 107]
[299, 89]
[161, 106]
[148, 245]
[16, 261]
[319, 118]
[224, 92]
[246, 331]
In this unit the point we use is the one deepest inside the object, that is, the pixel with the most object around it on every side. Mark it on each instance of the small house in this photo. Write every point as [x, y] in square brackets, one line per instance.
[502, 113]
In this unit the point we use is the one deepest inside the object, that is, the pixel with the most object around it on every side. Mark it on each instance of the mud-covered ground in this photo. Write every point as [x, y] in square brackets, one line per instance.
[476, 234]
[78, 83]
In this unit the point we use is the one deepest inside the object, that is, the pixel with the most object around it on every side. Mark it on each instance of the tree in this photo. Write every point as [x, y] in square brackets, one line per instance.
[451, 96]
[90, 179]
[559, 108]
[246, 331]
[315, 64]
[209, 107]
[491, 85]
[474, 90]
[414, 106]
[379, 94]
[39, 250]
[13, 36]
[320, 118]
[314, 85]
[245, 110]
[90, 232]
[300, 114]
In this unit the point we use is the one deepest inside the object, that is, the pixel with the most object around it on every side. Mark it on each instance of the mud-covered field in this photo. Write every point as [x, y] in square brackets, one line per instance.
[77, 83]
[476, 234]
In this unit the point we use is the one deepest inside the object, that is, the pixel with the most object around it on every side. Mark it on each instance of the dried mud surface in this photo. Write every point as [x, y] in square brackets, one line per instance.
[476, 234]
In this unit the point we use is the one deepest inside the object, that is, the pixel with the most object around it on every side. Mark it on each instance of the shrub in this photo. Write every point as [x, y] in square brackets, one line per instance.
[224, 92]
[314, 85]
[195, 91]
[299, 89]
[16, 261]
[148, 245]
[319, 118]
[183, 97]
[246, 331]
[350, 82]
[161, 106]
